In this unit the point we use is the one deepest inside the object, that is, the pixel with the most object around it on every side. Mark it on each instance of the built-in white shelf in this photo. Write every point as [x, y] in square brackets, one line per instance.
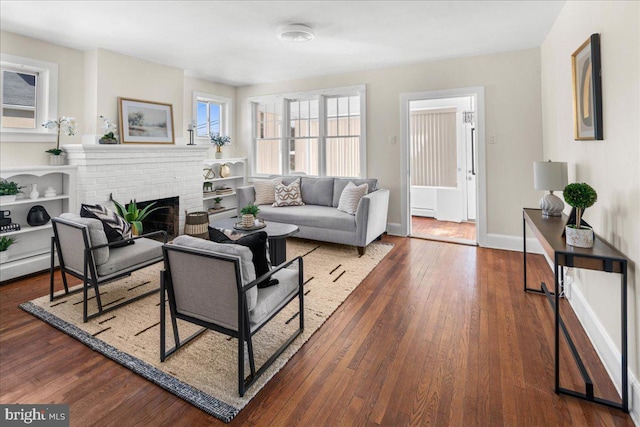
[32, 250]
[238, 178]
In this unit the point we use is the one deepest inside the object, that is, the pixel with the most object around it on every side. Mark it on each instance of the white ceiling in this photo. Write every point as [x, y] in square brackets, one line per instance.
[235, 42]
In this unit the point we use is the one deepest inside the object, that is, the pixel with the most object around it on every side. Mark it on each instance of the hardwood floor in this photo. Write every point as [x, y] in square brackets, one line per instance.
[432, 228]
[439, 334]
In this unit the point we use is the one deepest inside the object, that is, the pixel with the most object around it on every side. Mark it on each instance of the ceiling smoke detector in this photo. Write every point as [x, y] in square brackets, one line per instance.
[296, 33]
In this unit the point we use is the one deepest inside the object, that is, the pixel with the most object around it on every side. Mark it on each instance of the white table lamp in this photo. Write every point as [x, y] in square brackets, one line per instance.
[550, 176]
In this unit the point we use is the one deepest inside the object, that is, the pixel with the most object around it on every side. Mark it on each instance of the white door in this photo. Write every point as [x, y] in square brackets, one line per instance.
[472, 170]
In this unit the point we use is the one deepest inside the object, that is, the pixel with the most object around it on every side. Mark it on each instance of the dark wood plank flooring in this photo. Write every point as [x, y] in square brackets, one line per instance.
[440, 334]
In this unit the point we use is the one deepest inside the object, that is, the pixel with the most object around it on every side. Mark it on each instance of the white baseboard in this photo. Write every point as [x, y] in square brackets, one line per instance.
[606, 349]
[395, 229]
[510, 243]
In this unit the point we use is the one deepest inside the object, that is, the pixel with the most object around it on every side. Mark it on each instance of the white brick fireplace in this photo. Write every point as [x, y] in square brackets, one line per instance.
[141, 172]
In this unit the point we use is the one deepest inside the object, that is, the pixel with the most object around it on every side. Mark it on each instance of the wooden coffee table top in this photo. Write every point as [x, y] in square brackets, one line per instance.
[275, 230]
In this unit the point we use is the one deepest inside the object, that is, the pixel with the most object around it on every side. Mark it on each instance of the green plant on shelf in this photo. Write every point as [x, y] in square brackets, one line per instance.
[5, 242]
[10, 188]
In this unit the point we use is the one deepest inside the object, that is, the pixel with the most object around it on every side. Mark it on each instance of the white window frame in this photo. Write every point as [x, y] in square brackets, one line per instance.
[226, 113]
[46, 97]
[320, 94]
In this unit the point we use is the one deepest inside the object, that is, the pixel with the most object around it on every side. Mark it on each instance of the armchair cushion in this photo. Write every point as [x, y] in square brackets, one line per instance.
[246, 266]
[128, 256]
[257, 244]
[97, 237]
[115, 227]
[271, 299]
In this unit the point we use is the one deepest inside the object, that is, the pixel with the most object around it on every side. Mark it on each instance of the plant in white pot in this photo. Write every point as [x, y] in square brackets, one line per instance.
[9, 190]
[66, 124]
[5, 242]
[580, 196]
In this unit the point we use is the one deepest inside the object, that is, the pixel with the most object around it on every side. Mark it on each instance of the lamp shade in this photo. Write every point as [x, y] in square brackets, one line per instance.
[550, 176]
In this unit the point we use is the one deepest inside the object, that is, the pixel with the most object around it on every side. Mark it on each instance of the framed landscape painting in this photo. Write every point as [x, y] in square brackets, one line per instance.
[587, 90]
[145, 122]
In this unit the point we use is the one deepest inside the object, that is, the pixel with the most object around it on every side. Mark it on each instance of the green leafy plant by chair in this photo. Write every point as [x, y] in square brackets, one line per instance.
[134, 216]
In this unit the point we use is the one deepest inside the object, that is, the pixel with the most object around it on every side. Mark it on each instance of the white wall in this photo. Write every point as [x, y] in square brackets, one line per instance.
[90, 83]
[513, 111]
[70, 95]
[609, 166]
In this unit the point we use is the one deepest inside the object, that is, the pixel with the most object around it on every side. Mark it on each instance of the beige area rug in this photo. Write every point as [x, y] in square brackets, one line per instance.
[204, 372]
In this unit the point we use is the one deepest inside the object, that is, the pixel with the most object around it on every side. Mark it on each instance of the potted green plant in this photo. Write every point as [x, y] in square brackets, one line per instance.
[135, 216]
[5, 242]
[66, 124]
[580, 196]
[249, 215]
[9, 190]
[109, 128]
[216, 202]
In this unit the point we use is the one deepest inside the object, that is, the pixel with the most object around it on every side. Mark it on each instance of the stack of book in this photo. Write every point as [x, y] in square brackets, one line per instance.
[224, 190]
[9, 227]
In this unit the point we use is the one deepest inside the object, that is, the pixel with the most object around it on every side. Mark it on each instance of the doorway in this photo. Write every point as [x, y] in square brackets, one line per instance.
[442, 154]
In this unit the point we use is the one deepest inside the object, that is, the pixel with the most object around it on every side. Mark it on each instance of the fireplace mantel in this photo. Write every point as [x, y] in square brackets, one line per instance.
[139, 171]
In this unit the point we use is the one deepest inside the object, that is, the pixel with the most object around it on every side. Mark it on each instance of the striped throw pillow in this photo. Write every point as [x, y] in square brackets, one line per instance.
[266, 190]
[288, 195]
[351, 196]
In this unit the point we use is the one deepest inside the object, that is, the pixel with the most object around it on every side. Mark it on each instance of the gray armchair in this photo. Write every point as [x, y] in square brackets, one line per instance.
[215, 286]
[84, 252]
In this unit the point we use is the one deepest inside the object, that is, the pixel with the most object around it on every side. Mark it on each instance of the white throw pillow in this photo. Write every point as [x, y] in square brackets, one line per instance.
[288, 195]
[266, 190]
[351, 196]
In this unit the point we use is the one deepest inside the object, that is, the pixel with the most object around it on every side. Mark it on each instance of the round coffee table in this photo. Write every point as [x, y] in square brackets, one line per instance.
[276, 232]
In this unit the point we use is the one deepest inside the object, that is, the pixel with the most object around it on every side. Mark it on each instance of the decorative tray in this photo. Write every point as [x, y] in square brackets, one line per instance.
[238, 226]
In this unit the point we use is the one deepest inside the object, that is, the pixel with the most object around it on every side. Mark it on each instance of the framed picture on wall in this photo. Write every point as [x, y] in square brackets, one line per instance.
[587, 90]
[145, 122]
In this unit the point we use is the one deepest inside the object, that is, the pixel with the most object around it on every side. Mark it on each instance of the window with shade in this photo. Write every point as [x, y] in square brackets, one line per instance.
[322, 133]
[433, 148]
[29, 96]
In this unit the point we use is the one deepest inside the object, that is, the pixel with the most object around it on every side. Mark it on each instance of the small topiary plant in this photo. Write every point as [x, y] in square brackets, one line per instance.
[5, 242]
[580, 196]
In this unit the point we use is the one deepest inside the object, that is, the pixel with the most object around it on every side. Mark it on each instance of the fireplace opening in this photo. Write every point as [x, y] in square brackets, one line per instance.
[165, 219]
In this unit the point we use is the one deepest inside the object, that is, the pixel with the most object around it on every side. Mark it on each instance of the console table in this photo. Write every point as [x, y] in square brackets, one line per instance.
[602, 257]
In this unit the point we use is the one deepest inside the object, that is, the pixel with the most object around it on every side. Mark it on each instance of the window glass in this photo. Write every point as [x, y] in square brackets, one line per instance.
[19, 92]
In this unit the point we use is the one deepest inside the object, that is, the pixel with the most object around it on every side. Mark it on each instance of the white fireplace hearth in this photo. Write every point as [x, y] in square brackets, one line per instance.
[141, 172]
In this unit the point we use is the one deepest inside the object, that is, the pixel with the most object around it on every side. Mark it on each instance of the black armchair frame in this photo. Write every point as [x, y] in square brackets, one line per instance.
[244, 332]
[90, 276]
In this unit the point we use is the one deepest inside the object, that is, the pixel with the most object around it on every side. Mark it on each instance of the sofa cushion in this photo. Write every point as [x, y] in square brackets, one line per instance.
[288, 195]
[266, 190]
[242, 252]
[310, 216]
[351, 196]
[317, 191]
[340, 183]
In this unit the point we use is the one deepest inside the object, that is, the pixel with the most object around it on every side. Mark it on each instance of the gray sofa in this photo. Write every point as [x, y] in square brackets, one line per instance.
[319, 218]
